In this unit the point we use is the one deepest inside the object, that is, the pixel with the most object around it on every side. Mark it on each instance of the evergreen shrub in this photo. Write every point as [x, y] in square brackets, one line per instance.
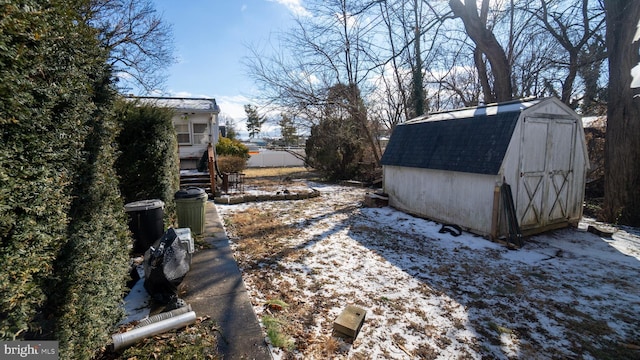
[96, 254]
[231, 147]
[62, 228]
[148, 164]
[232, 155]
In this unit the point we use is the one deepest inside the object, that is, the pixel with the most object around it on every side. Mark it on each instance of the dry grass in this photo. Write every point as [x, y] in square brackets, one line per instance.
[273, 179]
[263, 237]
[274, 173]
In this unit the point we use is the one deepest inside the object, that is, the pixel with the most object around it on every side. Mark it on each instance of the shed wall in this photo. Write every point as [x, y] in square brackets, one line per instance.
[547, 147]
[545, 163]
[463, 199]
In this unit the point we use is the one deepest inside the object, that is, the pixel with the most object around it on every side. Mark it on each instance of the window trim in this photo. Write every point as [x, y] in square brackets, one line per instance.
[188, 133]
[203, 134]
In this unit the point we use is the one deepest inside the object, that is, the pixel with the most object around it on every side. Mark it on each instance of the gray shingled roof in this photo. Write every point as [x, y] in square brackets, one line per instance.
[475, 144]
[181, 104]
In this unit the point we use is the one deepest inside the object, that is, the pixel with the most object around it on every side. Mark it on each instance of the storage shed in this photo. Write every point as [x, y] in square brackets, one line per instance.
[450, 166]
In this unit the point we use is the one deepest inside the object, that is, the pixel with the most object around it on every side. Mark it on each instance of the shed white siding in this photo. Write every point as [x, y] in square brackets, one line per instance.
[448, 197]
[545, 164]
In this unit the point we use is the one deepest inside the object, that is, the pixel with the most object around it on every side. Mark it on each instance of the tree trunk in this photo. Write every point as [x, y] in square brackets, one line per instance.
[567, 85]
[483, 77]
[418, 90]
[622, 148]
[487, 43]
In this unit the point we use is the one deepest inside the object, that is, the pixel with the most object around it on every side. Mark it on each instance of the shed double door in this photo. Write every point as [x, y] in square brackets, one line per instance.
[546, 163]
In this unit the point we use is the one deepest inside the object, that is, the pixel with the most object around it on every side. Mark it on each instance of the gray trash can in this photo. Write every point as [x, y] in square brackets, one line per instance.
[190, 208]
[145, 222]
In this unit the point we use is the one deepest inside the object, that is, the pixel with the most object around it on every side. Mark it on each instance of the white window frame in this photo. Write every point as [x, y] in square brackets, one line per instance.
[199, 138]
[178, 133]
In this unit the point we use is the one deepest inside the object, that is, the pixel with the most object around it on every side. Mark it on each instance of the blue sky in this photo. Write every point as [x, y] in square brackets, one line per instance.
[211, 38]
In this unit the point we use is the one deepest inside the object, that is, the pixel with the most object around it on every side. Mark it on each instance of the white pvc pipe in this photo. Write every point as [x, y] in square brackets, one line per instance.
[128, 338]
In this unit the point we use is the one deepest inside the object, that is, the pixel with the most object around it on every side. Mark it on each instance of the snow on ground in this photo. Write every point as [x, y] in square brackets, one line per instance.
[137, 303]
[565, 294]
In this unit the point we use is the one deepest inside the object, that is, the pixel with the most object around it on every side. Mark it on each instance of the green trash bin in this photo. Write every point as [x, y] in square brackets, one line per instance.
[190, 208]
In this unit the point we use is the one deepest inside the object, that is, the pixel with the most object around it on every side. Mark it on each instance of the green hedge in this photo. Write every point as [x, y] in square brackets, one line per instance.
[97, 250]
[63, 236]
[149, 166]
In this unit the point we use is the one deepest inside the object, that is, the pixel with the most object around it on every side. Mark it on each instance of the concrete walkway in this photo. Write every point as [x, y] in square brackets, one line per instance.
[214, 288]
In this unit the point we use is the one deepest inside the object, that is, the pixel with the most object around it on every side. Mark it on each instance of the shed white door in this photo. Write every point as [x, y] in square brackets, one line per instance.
[546, 162]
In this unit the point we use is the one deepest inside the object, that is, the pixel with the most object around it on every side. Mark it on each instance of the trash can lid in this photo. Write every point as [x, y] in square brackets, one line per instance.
[190, 193]
[144, 205]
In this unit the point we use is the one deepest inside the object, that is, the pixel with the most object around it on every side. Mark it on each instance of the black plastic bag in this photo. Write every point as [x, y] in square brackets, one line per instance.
[166, 263]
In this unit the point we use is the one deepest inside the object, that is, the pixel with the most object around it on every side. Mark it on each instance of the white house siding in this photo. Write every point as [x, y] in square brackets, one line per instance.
[449, 197]
[196, 123]
[197, 144]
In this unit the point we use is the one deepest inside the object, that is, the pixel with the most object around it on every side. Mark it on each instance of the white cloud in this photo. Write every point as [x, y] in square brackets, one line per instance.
[233, 106]
[295, 6]
[350, 20]
[243, 7]
[307, 78]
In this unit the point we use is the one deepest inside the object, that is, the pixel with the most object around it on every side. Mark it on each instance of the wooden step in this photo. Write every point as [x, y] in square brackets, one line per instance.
[196, 180]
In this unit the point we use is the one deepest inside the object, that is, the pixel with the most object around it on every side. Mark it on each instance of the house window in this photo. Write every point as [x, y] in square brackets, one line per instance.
[200, 134]
[182, 130]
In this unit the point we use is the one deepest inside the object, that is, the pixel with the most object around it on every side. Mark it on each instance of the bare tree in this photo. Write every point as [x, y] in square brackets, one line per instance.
[572, 26]
[475, 23]
[592, 58]
[394, 93]
[139, 42]
[230, 125]
[408, 26]
[622, 147]
[417, 89]
[333, 46]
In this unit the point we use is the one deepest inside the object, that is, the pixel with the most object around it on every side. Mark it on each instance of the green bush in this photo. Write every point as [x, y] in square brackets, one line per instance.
[42, 132]
[62, 225]
[226, 146]
[232, 155]
[148, 165]
[97, 250]
[336, 148]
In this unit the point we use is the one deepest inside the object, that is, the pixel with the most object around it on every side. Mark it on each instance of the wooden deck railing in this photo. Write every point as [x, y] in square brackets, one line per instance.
[212, 170]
